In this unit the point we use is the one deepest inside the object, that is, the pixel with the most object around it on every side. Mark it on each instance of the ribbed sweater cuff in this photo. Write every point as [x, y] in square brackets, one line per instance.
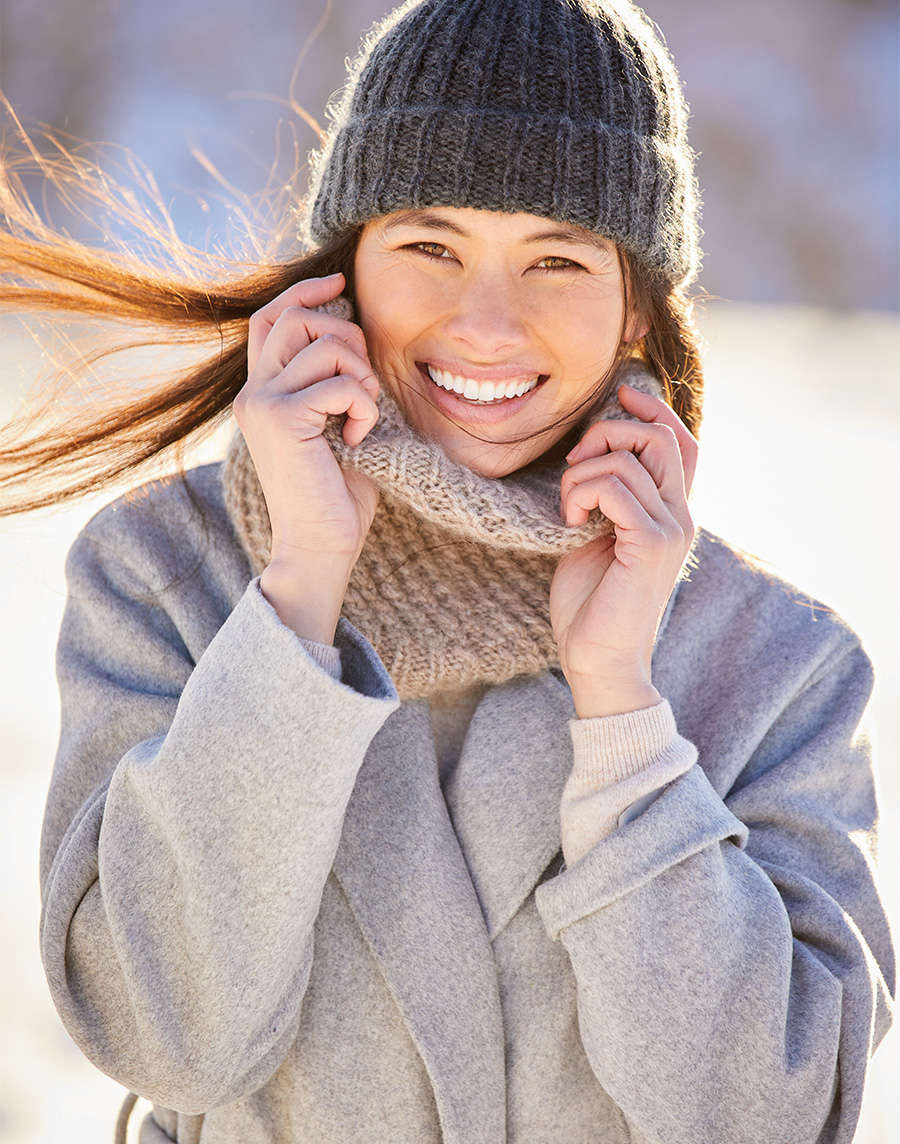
[326, 656]
[617, 746]
[617, 760]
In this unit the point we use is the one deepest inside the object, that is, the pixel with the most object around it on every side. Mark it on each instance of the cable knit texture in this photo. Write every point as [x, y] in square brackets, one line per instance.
[453, 583]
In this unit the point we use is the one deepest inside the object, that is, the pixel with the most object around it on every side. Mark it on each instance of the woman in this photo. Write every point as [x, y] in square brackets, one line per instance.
[497, 807]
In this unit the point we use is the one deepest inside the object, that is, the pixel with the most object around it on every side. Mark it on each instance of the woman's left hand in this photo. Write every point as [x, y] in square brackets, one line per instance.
[607, 598]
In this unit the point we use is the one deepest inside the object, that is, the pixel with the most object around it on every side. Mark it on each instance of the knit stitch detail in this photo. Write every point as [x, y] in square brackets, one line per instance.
[327, 656]
[618, 759]
[567, 109]
[616, 747]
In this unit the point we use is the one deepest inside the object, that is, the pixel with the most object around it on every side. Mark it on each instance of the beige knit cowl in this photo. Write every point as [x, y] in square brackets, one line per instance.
[453, 584]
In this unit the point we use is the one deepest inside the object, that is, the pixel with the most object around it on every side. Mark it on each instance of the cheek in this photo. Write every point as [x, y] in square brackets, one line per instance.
[390, 335]
[387, 341]
[586, 343]
[393, 314]
[382, 327]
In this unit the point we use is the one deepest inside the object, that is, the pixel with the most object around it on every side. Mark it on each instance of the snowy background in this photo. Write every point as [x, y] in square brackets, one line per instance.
[795, 115]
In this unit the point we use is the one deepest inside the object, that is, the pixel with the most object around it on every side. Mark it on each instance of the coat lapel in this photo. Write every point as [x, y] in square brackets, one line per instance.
[403, 872]
[504, 794]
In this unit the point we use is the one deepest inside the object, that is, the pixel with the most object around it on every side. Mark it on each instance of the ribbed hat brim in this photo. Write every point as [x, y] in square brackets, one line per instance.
[370, 174]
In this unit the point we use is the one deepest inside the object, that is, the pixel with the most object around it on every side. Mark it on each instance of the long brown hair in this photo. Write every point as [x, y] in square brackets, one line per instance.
[169, 293]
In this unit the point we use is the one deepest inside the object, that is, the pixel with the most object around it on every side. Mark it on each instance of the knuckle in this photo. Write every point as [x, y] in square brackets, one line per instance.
[622, 461]
[599, 431]
[627, 458]
[674, 534]
[660, 431]
[591, 438]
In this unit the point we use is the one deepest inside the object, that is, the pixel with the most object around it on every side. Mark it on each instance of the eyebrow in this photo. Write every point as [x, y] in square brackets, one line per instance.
[424, 218]
[574, 236]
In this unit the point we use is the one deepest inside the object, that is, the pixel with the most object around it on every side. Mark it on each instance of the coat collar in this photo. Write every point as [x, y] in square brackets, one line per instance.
[504, 794]
[430, 898]
[405, 877]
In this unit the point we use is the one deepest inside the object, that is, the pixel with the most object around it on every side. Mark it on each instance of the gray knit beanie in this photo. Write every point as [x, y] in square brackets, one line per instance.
[568, 109]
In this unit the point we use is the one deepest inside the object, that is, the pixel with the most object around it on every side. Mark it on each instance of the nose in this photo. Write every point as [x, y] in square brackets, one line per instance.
[487, 320]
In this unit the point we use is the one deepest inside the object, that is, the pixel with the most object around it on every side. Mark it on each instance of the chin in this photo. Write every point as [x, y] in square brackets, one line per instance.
[488, 459]
[466, 446]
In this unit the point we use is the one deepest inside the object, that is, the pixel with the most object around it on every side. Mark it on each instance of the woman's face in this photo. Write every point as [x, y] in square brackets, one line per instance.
[490, 330]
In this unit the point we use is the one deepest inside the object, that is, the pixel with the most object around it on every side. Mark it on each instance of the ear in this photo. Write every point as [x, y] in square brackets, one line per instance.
[637, 327]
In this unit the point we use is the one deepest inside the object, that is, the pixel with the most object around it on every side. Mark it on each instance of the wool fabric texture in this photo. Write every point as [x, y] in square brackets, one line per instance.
[261, 909]
[568, 109]
[452, 587]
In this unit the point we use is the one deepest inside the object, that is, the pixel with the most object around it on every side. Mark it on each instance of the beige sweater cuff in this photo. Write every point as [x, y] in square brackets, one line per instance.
[326, 656]
[618, 759]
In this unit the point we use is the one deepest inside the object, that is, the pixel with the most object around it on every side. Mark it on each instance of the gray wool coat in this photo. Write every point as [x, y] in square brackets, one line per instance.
[262, 913]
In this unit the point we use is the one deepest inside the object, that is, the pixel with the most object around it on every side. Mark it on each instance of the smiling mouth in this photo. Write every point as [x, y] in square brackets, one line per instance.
[482, 392]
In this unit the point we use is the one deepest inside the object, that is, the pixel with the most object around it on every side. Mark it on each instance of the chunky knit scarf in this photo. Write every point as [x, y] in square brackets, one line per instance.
[453, 584]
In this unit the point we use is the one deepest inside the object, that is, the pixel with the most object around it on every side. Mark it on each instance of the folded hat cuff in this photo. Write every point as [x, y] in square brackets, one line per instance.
[628, 187]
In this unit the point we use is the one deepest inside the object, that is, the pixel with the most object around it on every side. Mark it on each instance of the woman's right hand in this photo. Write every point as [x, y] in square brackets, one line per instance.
[303, 366]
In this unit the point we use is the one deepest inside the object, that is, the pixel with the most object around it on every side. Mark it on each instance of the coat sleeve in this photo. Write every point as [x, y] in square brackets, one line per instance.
[733, 962]
[193, 817]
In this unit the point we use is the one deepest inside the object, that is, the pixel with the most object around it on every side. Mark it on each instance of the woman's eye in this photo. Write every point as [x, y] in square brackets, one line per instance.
[555, 262]
[431, 249]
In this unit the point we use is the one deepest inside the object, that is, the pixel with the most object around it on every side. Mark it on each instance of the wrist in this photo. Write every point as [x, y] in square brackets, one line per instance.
[596, 698]
[308, 600]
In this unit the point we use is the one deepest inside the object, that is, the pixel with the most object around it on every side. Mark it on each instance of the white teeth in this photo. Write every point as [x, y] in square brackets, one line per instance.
[480, 391]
